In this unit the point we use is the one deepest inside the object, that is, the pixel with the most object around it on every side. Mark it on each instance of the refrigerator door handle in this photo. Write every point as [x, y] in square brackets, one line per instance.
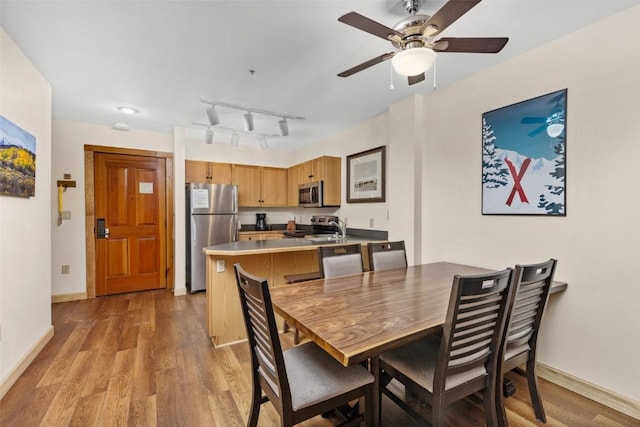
[193, 229]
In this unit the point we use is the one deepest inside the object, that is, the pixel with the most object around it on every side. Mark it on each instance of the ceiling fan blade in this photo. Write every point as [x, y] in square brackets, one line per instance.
[532, 120]
[365, 65]
[470, 44]
[447, 15]
[537, 130]
[415, 79]
[369, 25]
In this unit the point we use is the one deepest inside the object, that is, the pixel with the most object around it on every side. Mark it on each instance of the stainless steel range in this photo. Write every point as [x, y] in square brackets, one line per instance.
[319, 225]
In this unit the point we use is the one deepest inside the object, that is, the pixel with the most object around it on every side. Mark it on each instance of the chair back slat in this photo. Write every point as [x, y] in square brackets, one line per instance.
[387, 255]
[475, 325]
[266, 352]
[532, 291]
[340, 260]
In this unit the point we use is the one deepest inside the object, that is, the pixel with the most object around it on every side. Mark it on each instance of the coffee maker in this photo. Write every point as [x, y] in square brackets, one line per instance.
[261, 221]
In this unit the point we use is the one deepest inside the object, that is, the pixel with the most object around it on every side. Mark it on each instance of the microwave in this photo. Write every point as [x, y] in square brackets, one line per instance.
[310, 194]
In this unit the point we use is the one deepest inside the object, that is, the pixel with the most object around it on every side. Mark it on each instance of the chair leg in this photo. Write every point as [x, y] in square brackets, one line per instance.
[256, 401]
[296, 336]
[437, 415]
[501, 415]
[532, 382]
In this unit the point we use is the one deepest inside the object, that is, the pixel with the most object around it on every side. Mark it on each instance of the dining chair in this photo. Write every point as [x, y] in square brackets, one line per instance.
[340, 260]
[465, 360]
[532, 283]
[387, 255]
[301, 382]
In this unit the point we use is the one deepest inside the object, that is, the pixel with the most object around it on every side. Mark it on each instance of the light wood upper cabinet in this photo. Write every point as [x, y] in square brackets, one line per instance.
[207, 172]
[260, 186]
[325, 168]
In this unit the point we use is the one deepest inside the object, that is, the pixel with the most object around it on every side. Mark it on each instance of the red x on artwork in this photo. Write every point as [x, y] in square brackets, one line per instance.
[517, 178]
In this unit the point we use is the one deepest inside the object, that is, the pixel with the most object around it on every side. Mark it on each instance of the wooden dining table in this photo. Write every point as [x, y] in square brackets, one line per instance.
[356, 318]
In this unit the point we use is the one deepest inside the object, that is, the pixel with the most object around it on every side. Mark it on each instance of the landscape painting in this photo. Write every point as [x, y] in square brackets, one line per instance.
[17, 160]
[524, 157]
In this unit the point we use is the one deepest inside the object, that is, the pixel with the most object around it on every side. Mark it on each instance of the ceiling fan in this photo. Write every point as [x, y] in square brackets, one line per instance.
[413, 37]
[553, 123]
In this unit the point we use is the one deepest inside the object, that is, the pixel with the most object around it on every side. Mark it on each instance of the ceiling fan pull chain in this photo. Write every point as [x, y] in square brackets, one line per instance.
[435, 63]
[391, 77]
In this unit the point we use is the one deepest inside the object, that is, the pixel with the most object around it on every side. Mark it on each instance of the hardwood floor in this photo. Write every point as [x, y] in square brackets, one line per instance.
[144, 359]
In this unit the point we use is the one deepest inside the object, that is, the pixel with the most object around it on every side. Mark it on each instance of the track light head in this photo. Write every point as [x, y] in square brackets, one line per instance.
[213, 116]
[235, 139]
[208, 136]
[248, 121]
[284, 127]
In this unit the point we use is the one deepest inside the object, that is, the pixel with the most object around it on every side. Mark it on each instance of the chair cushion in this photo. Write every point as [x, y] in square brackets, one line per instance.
[315, 376]
[417, 361]
[342, 265]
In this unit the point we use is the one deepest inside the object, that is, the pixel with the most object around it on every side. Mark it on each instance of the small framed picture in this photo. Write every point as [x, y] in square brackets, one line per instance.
[366, 176]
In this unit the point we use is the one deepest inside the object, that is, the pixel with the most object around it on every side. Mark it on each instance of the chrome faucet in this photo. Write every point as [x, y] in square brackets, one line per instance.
[342, 226]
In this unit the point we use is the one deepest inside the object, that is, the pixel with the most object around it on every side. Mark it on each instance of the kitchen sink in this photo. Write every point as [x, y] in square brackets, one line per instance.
[325, 238]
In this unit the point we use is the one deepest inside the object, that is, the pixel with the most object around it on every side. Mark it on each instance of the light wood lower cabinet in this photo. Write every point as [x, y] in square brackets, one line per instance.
[260, 235]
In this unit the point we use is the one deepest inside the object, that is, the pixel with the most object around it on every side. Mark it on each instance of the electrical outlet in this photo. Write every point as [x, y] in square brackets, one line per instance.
[65, 215]
[66, 269]
[370, 222]
[219, 265]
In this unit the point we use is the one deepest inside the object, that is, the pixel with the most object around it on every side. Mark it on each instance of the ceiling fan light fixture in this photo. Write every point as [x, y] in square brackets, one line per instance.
[208, 137]
[414, 61]
[284, 127]
[248, 122]
[213, 116]
[555, 129]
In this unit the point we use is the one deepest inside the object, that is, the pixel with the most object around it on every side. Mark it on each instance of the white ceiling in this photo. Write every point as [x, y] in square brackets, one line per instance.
[163, 56]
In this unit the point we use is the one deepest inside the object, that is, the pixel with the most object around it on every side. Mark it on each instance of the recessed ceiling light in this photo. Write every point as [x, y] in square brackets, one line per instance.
[120, 126]
[128, 110]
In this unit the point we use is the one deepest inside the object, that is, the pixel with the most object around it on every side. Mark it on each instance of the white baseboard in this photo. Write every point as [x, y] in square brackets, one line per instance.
[24, 362]
[584, 388]
[77, 296]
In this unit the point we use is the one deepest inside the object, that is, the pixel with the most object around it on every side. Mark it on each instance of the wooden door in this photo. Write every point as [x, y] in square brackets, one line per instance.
[130, 197]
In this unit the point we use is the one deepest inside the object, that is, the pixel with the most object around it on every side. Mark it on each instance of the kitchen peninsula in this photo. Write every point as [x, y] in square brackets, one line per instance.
[270, 259]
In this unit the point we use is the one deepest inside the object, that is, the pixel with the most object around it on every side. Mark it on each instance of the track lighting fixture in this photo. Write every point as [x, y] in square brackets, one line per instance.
[248, 115]
[248, 121]
[208, 136]
[263, 143]
[235, 139]
[213, 116]
[284, 127]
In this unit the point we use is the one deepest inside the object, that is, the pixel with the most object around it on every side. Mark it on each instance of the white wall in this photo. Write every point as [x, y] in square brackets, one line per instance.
[68, 239]
[25, 226]
[592, 331]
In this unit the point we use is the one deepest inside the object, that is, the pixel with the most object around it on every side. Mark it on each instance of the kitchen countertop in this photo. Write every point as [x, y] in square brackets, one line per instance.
[252, 247]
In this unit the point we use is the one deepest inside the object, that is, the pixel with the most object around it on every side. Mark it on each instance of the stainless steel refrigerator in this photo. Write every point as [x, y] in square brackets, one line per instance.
[212, 219]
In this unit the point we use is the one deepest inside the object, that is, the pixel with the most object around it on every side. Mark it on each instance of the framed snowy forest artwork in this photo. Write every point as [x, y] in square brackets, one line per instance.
[524, 157]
